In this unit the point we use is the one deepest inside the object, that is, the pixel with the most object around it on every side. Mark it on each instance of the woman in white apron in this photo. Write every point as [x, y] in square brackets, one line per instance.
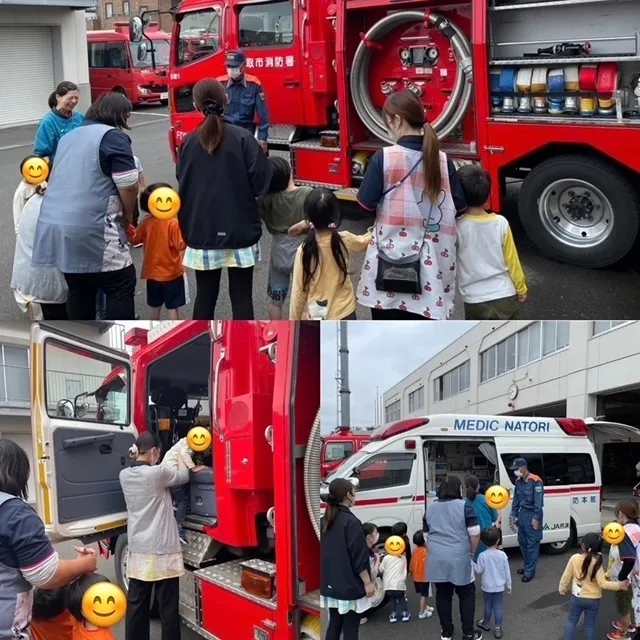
[410, 267]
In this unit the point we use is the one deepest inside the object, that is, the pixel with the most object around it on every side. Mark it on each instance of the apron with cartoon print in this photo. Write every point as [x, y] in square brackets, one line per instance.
[633, 532]
[407, 225]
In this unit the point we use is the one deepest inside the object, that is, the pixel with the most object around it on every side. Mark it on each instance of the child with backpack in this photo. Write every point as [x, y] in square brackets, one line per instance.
[322, 287]
[586, 579]
[280, 210]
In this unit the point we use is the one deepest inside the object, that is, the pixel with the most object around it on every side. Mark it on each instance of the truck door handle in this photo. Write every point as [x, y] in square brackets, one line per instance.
[105, 449]
[70, 443]
[291, 84]
[405, 498]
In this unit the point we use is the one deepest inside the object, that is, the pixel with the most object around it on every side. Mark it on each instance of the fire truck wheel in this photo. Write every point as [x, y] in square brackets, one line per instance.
[120, 559]
[580, 210]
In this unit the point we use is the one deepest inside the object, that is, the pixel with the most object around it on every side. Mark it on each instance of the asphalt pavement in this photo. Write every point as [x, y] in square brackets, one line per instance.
[107, 569]
[556, 290]
[533, 610]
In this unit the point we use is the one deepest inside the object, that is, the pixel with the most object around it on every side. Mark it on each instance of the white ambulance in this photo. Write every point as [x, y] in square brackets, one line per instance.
[406, 461]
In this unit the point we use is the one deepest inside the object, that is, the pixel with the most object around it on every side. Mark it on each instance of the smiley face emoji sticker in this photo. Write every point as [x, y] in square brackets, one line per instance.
[104, 604]
[199, 439]
[394, 546]
[613, 533]
[34, 170]
[497, 497]
[164, 203]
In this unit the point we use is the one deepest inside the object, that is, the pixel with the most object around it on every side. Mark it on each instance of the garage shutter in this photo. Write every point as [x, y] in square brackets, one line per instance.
[27, 73]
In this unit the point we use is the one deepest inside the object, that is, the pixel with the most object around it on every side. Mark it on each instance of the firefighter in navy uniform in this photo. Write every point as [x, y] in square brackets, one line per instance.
[527, 509]
[245, 98]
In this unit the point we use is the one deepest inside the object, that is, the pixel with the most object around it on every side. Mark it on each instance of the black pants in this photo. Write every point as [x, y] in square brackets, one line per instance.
[348, 625]
[444, 606]
[240, 292]
[54, 311]
[119, 287]
[395, 314]
[139, 604]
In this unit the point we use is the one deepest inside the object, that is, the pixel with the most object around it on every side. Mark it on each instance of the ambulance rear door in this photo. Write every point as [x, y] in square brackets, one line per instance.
[556, 525]
[81, 431]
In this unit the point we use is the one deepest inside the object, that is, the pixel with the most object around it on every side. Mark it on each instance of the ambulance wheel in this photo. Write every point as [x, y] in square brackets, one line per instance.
[558, 548]
[120, 559]
[580, 210]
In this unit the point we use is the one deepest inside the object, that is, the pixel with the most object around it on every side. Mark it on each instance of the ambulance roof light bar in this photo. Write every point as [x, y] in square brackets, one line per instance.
[396, 428]
[573, 426]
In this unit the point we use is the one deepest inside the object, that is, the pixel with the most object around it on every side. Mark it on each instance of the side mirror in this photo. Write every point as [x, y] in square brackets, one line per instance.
[81, 410]
[143, 50]
[135, 29]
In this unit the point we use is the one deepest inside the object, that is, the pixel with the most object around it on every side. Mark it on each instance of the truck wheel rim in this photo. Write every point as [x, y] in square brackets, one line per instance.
[576, 213]
[123, 568]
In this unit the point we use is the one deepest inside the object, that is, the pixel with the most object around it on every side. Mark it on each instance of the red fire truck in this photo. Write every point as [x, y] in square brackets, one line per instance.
[340, 445]
[253, 529]
[544, 91]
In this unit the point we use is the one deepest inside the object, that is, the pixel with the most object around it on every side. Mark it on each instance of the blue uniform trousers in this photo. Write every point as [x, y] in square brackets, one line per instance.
[529, 540]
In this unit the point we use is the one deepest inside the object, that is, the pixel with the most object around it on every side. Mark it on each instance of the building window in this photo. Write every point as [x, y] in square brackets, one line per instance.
[392, 411]
[267, 24]
[125, 8]
[416, 400]
[14, 386]
[108, 10]
[601, 326]
[538, 340]
[143, 8]
[455, 381]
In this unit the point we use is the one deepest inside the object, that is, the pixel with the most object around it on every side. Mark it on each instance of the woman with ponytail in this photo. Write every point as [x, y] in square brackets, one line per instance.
[221, 171]
[414, 192]
[154, 552]
[346, 573]
[60, 120]
[322, 287]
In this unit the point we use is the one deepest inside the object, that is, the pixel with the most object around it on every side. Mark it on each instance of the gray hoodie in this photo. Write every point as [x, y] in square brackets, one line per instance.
[151, 526]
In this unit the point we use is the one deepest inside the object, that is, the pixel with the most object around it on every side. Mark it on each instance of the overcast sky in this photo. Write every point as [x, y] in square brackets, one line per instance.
[380, 355]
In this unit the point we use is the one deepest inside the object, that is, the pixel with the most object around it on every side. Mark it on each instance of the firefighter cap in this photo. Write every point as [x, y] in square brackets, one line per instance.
[235, 59]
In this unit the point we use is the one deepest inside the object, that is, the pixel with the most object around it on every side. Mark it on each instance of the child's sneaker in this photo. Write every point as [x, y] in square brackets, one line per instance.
[183, 535]
[444, 637]
[363, 620]
[498, 633]
[406, 616]
[427, 613]
[619, 635]
[483, 625]
[476, 635]
[393, 618]
[618, 627]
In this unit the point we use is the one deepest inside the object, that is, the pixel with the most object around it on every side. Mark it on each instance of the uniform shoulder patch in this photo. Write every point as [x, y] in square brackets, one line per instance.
[261, 95]
[539, 489]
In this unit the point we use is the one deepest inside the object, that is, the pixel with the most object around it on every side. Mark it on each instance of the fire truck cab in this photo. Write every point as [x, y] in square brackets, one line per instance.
[253, 527]
[118, 64]
[546, 92]
[340, 445]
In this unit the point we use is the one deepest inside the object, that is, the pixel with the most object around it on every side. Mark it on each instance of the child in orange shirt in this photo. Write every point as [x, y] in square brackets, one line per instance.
[51, 620]
[162, 263]
[417, 571]
[82, 629]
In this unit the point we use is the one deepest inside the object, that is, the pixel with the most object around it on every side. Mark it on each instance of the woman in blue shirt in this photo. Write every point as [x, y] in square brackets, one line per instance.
[487, 516]
[60, 120]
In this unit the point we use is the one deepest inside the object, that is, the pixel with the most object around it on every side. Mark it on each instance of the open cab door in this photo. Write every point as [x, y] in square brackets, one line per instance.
[82, 430]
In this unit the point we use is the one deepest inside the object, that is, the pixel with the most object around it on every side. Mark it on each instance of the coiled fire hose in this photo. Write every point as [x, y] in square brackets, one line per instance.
[312, 474]
[460, 98]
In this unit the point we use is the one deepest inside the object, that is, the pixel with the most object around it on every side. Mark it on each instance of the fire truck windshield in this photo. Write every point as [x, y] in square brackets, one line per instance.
[266, 25]
[338, 451]
[198, 35]
[161, 48]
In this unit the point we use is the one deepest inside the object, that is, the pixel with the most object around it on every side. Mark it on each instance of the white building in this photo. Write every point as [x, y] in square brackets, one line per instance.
[15, 415]
[42, 42]
[553, 369]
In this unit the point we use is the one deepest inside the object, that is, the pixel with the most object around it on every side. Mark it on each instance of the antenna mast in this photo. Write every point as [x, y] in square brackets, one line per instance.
[343, 388]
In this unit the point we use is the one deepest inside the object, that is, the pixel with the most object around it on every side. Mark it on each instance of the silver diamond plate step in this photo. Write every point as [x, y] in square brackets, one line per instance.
[310, 601]
[228, 576]
[200, 550]
[280, 133]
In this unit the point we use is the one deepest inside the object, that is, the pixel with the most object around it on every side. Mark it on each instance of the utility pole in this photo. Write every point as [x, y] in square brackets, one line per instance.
[344, 391]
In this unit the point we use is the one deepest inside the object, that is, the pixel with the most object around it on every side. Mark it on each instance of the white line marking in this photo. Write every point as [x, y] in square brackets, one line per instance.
[155, 115]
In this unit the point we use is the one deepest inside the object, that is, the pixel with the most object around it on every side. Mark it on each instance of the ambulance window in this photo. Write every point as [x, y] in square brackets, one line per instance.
[385, 470]
[573, 468]
[82, 385]
[198, 35]
[338, 451]
[269, 24]
[534, 462]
